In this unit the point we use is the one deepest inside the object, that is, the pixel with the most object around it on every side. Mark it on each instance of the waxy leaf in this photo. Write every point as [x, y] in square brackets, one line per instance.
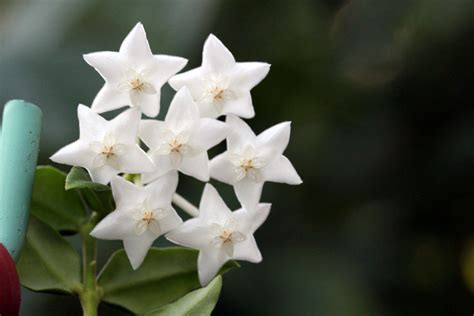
[48, 262]
[199, 302]
[78, 178]
[166, 275]
[98, 196]
[63, 210]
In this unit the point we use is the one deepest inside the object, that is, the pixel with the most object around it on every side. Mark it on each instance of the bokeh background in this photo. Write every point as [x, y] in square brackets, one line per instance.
[380, 94]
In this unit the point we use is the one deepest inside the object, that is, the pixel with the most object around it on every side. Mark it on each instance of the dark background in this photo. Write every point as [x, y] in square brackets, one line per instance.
[380, 94]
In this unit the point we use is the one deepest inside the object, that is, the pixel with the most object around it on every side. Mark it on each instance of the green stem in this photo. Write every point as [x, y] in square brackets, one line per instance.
[90, 295]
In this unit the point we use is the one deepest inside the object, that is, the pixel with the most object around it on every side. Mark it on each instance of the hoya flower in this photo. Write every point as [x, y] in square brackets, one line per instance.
[133, 75]
[251, 160]
[106, 148]
[221, 85]
[181, 141]
[142, 215]
[220, 234]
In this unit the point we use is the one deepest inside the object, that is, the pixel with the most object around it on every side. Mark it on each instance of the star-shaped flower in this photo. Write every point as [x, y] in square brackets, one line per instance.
[220, 234]
[221, 85]
[251, 160]
[106, 148]
[133, 76]
[142, 215]
[181, 141]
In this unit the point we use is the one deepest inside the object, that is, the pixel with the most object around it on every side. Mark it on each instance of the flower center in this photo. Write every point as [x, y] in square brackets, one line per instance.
[108, 151]
[226, 238]
[175, 146]
[217, 93]
[137, 84]
[148, 217]
[246, 164]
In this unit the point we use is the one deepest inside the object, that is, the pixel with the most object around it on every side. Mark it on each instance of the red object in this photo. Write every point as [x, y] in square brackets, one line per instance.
[10, 295]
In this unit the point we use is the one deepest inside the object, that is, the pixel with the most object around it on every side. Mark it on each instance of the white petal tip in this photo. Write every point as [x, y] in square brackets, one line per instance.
[204, 282]
[94, 234]
[138, 26]
[212, 36]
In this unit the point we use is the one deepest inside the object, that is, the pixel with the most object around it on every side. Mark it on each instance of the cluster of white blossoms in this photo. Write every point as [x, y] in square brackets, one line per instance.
[107, 149]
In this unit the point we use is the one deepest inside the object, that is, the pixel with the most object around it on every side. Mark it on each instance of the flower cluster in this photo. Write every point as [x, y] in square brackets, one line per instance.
[220, 87]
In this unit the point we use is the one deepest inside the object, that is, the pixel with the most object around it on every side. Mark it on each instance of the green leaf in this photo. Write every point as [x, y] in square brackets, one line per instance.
[61, 209]
[97, 196]
[78, 178]
[199, 302]
[166, 275]
[48, 262]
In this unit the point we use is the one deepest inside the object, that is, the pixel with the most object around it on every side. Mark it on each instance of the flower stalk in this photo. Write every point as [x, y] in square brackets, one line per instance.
[185, 205]
[90, 294]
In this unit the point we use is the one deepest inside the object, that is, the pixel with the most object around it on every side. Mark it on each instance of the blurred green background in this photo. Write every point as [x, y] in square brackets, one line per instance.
[380, 94]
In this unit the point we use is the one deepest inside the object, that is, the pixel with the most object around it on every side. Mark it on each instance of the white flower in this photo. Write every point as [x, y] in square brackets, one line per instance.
[142, 215]
[133, 76]
[221, 85]
[251, 160]
[106, 148]
[181, 141]
[220, 234]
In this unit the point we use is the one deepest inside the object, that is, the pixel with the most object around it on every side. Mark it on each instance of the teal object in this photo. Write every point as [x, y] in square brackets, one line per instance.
[19, 144]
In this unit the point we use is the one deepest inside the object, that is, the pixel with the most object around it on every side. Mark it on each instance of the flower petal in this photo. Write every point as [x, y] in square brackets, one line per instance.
[193, 233]
[103, 174]
[124, 127]
[109, 98]
[142, 226]
[116, 225]
[163, 67]
[196, 166]
[222, 169]
[183, 112]
[137, 247]
[212, 207]
[209, 109]
[241, 105]
[77, 153]
[110, 65]
[240, 134]
[248, 74]
[148, 88]
[247, 250]
[135, 160]
[281, 170]
[164, 187]
[275, 139]
[148, 103]
[216, 58]
[170, 222]
[192, 79]
[126, 194]
[151, 133]
[163, 165]
[208, 133]
[248, 193]
[249, 220]
[209, 263]
[91, 125]
[135, 46]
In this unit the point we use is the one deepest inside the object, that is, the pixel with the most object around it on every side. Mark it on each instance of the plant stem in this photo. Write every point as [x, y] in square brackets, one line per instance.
[90, 295]
[185, 205]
